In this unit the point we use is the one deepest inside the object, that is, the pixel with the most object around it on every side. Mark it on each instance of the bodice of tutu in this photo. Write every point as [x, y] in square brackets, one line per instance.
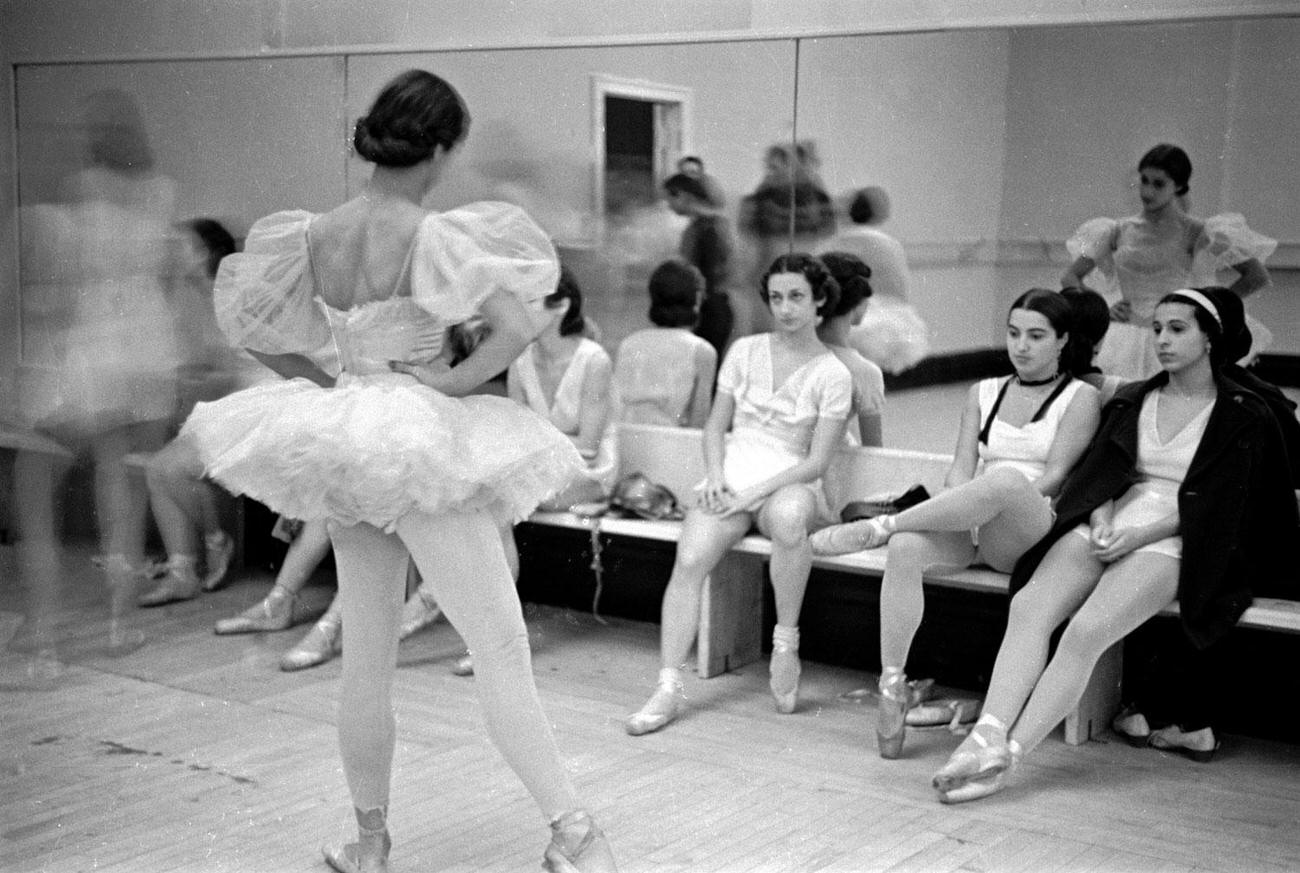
[1148, 267]
[367, 337]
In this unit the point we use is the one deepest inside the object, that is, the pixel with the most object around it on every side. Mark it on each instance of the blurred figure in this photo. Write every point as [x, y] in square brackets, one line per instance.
[107, 384]
[707, 244]
[664, 374]
[693, 166]
[892, 334]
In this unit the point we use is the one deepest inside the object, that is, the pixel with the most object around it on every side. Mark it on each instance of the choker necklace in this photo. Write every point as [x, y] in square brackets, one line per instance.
[1034, 383]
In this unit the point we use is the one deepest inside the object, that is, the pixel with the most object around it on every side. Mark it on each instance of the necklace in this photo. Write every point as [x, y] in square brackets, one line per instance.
[1035, 383]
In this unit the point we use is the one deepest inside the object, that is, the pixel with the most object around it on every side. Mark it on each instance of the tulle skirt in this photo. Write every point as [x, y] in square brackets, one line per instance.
[376, 448]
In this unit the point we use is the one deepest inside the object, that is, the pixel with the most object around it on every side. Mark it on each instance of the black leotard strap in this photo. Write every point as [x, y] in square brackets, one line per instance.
[1042, 410]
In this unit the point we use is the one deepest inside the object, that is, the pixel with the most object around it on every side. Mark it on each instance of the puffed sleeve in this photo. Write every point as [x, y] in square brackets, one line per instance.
[1226, 241]
[735, 365]
[463, 255]
[1095, 240]
[833, 397]
[264, 296]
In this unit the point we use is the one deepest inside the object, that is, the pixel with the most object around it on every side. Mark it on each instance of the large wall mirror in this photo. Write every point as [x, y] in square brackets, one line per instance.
[993, 145]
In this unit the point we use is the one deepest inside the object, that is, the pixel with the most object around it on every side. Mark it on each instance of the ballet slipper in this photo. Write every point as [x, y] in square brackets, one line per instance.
[1198, 745]
[986, 784]
[982, 753]
[891, 714]
[856, 536]
[419, 611]
[220, 549]
[370, 853]
[663, 707]
[274, 612]
[180, 583]
[578, 845]
[464, 665]
[1133, 727]
[322, 643]
[784, 669]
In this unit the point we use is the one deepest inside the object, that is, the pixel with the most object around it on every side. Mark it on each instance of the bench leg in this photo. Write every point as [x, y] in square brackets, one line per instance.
[1100, 699]
[731, 616]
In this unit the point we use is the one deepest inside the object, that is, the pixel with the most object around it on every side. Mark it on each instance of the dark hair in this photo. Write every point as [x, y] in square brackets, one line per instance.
[1224, 338]
[1173, 161]
[682, 183]
[851, 274]
[567, 289]
[1059, 310]
[691, 159]
[414, 115]
[1091, 314]
[116, 139]
[675, 289]
[868, 205]
[825, 290]
[217, 241]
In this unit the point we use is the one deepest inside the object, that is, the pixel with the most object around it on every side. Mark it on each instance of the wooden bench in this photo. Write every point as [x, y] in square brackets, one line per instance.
[730, 631]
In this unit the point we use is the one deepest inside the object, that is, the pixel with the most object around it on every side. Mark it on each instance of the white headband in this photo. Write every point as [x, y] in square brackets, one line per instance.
[1204, 301]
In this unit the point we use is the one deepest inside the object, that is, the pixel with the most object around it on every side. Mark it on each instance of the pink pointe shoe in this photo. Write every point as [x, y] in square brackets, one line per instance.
[220, 549]
[419, 611]
[891, 714]
[274, 612]
[663, 707]
[856, 536]
[990, 782]
[983, 753]
[322, 643]
[578, 845]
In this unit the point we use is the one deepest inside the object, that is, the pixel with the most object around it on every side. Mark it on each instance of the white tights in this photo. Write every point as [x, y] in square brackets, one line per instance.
[460, 558]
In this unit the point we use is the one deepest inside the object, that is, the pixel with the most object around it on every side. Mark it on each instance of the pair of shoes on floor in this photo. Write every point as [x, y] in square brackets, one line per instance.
[663, 707]
[578, 845]
[182, 582]
[1198, 745]
[419, 611]
[950, 712]
[322, 643]
[274, 612]
[856, 536]
[220, 549]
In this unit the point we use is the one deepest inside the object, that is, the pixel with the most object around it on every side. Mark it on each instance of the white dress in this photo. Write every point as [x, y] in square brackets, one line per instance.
[565, 411]
[772, 427]
[380, 445]
[1139, 267]
[1025, 448]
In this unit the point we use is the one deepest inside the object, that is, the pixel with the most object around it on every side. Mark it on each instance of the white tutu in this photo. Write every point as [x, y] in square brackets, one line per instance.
[376, 448]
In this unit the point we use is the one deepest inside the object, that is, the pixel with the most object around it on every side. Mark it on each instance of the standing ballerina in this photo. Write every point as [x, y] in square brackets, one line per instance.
[1019, 437]
[1183, 494]
[1144, 257]
[780, 411]
[396, 455]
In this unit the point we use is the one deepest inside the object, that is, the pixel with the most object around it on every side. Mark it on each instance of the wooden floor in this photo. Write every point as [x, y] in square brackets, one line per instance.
[195, 753]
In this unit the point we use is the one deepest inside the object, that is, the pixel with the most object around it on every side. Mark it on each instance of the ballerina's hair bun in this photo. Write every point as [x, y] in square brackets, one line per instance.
[413, 115]
[852, 273]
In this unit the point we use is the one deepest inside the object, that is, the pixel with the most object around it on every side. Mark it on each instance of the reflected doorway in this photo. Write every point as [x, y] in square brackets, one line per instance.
[640, 129]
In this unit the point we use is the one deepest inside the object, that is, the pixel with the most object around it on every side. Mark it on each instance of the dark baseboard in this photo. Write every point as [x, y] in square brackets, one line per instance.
[1281, 370]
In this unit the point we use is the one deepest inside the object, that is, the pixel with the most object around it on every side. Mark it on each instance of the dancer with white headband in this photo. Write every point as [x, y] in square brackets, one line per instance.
[1184, 464]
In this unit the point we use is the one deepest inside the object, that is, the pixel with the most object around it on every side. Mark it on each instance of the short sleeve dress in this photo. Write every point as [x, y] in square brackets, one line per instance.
[380, 445]
[1136, 265]
[772, 426]
[565, 410]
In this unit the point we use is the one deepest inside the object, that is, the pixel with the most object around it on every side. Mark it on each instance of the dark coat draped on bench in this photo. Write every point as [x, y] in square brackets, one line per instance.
[1236, 507]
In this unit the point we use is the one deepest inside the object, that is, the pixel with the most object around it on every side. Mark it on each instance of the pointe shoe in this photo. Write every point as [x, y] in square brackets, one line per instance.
[220, 548]
[989, 783]
[274, 612]
[464, 665]
[783, 677]
[322, 642]
[663, 707]
[1199, 745]
[180, 583]
[856, 536]
[418, 612]
[368, 855]
[985, 751]
[891, 714]
[578, 845]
